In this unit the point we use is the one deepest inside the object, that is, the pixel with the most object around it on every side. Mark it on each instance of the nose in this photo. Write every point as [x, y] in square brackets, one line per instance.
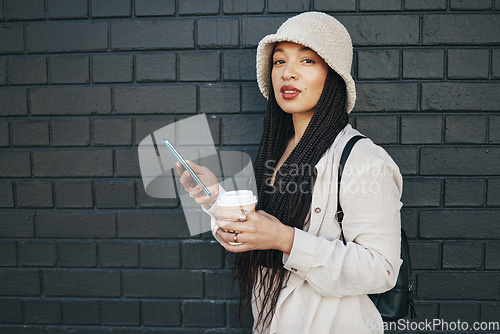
[289, 72]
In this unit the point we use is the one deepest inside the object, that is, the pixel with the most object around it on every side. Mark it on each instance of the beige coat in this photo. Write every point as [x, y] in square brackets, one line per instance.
[329, 281]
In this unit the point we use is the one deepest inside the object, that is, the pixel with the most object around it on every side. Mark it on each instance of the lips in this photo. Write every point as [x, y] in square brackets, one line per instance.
[289, 92]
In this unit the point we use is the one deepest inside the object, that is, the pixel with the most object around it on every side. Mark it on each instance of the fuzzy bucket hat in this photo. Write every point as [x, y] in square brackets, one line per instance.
[318, 31]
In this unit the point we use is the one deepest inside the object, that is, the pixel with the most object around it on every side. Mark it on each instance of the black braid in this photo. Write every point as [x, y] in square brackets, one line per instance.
[290, 207]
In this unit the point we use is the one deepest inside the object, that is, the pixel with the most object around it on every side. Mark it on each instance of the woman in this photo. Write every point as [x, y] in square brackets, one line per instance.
[292, 266]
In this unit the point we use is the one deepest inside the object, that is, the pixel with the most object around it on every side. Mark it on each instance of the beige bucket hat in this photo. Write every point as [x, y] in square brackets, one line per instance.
[322, 33]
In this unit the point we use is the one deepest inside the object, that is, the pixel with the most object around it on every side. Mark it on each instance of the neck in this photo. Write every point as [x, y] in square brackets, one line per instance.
[300, 123]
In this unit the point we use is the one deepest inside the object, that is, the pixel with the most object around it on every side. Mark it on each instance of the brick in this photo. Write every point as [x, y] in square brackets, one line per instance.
[81, 312]
[460, 224]
[120, 313]
[425, 255]
[70, 132]
[67, 37]
[422, 193]
[213, 33]
[460, 96]
[8, 256]
[60, 224]
[47, 312]
[495, 67]
[72, 163]
[111, 8]
[14, 102]
[3, 71]
[220, 285]
[77, 254]
[111, 194]
[160, 34]
[11, 38]
[25, 9]
[34, 194]
[11, 312]
[204, 313]
[202, 255]
[378, 64]
[409, 222]
[494, 129]
[160, 255]
[4, 133]
[252, 99]
[112, 68]
[232, 315]
[156, 67]
[119, 254]
[465, 129]
[423, 64]
[382, 29]
[463, 286]
[254, 28]
[470, 5]
[406, 157]
[468, 64]
[335, 6]
[15, 164]
[489, 311]
[73, 194]
[380, 129]
[67, 9]
[1, 10]
[474, 29]
[174, 284]
[425, 4]
[421, 129]
[386, 97]
[464, 192]
[19, 283]
[6, 195]
[70, 101]
[462, 255]
[199, 66]
[154, 7]
[161, 313]
[492, 258]
[385, 5]
[112, 132]
[463, 312]
[459, 161]
[199, 7]
[30, 133]
[151, 100]
[27, 71]
[276, 6]
[143, 127]
[16, 225]
[152, 225]
[81, 283]
[493, 192]
[243, 6]
[22, 330]
[239, 65]
[64, 70]
[146, 201]
[242, 131]
[127, 163]
[219, 99]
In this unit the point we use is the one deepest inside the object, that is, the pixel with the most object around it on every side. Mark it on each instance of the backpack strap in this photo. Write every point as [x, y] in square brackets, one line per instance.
[345, 154]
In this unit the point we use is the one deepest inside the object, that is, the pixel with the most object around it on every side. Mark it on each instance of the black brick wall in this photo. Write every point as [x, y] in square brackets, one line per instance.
[84, 250]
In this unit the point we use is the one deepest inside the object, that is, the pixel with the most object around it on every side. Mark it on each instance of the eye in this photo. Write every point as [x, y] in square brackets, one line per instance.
[278, 62]
[308, 61]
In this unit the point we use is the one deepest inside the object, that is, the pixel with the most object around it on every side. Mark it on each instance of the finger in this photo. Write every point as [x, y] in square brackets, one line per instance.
[230, 215]
[202, 198]
[187, 181]
[179, 168]
[231, 226]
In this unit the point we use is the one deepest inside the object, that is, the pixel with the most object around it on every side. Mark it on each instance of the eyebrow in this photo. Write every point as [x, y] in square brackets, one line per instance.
[304, 48]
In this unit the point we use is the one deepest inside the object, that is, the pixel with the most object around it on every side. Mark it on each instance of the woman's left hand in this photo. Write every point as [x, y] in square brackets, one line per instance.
[260, 231]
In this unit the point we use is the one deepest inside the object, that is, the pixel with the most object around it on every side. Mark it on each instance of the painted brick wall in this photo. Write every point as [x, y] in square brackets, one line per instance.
[83, 249]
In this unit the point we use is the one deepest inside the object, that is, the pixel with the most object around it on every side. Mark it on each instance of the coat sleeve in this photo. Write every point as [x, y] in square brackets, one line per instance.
[212, 212]
[369, 262]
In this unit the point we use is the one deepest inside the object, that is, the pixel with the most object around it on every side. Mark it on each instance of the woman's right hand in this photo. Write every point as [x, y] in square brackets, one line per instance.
[195, 190]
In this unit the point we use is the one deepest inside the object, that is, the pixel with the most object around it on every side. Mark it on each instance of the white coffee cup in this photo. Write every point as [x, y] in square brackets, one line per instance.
[237, 200]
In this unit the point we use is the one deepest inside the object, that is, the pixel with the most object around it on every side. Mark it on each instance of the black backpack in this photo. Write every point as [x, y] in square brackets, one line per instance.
[395, 303]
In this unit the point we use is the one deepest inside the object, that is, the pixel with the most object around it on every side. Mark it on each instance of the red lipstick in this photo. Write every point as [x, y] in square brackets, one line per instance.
[289, 92]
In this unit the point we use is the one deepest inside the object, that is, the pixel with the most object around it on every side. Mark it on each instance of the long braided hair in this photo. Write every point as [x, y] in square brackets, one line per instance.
[292, 205]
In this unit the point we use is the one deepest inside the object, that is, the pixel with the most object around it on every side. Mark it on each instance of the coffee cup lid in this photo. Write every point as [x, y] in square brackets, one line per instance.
[236, 198]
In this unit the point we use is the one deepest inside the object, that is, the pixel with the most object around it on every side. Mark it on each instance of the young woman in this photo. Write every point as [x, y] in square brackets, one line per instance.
[292, 267]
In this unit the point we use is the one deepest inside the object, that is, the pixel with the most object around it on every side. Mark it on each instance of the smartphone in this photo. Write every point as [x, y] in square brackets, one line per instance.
[186, 166]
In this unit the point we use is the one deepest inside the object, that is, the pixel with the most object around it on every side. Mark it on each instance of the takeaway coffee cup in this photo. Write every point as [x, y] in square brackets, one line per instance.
[237, 200]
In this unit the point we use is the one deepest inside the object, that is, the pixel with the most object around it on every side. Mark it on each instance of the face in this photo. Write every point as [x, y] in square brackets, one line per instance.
[298, 76]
